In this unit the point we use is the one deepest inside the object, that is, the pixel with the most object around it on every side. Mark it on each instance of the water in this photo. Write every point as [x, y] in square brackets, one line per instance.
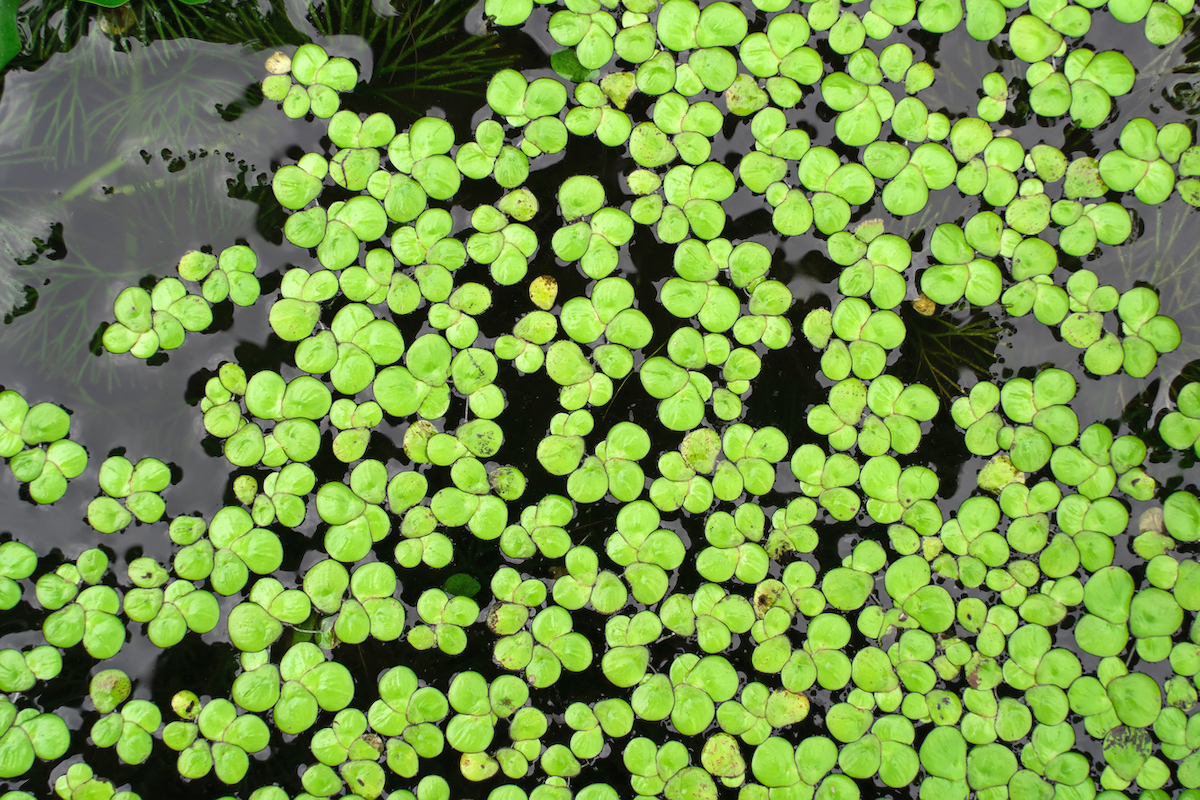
[117, 155]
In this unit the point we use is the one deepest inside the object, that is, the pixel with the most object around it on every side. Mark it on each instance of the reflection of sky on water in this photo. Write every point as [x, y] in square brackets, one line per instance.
[146, 177]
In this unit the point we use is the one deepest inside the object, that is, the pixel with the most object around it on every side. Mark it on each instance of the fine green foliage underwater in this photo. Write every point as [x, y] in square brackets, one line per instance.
[564, 480]
[105, 107]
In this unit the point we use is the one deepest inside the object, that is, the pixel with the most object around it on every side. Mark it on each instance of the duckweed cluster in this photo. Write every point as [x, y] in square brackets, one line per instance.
[964, 650]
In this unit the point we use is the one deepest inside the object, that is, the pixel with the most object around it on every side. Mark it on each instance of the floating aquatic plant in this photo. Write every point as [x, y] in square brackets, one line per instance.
[395, 333]
[24, 428]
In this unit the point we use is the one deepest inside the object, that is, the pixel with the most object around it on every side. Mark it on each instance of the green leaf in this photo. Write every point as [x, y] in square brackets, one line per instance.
[10, 36]
[1136, 699]
[43, 423]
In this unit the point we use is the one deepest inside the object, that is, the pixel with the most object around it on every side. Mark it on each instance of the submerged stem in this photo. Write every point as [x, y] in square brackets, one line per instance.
[88, 181]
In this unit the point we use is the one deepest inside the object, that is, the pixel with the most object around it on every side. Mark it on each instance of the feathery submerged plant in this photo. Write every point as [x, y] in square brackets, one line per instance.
[949, 349]
[127, 90]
